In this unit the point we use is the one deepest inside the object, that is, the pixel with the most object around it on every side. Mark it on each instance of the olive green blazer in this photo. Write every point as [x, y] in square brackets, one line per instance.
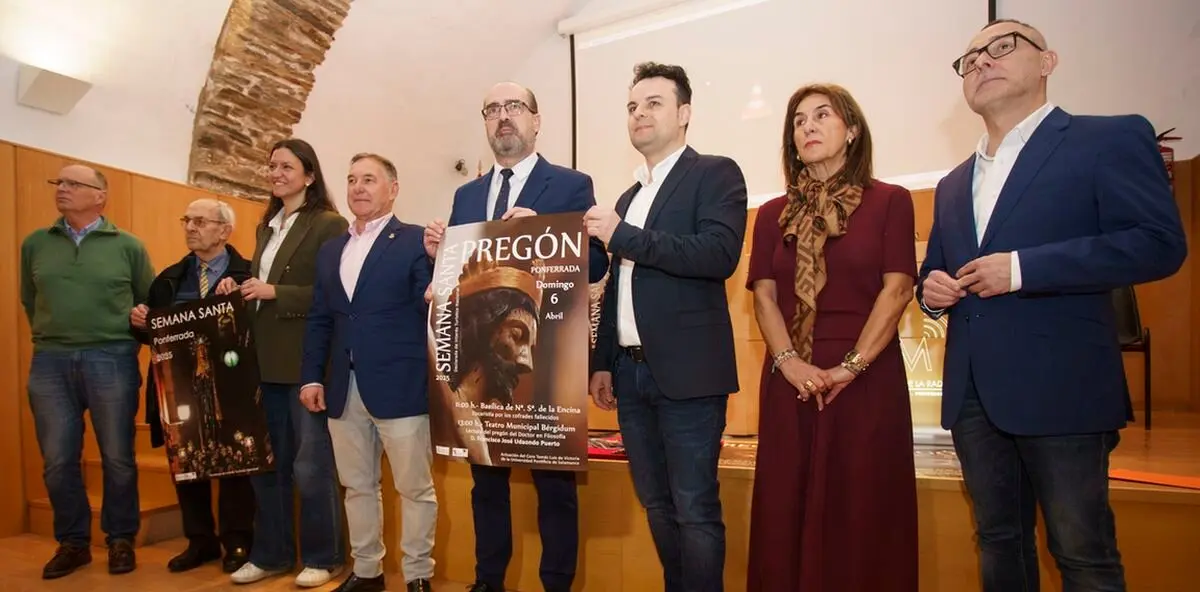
[279, 323]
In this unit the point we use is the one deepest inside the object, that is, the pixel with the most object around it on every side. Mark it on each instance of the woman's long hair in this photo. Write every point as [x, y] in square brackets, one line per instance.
[316, 195]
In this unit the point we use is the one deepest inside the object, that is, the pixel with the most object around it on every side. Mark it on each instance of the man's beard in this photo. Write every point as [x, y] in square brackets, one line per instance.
[500, 378]
[507, 145]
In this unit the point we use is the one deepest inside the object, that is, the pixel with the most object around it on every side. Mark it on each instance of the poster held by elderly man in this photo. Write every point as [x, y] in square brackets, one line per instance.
[204, 363]
[509, 342]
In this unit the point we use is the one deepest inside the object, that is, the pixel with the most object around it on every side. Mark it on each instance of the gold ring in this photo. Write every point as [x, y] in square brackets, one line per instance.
[809, 385]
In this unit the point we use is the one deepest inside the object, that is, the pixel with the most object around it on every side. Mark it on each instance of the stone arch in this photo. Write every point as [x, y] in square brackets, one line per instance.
[257, 86]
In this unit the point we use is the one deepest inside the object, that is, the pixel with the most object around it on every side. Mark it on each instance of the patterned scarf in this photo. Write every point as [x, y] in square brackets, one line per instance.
[814, 212]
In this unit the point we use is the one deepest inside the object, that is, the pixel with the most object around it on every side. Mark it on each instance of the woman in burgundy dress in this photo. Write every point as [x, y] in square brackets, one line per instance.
[832, 268]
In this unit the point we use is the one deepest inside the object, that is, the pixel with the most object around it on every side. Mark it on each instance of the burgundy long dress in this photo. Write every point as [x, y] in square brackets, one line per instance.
[835, 501]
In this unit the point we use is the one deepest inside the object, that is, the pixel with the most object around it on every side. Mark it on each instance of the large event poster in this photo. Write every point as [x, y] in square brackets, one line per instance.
[204, 363]
[509, 342]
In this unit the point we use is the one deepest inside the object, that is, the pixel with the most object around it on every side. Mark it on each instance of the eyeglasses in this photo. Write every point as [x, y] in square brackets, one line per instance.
[72, 184]
[513, 108]
[996, 48]
[200, 222]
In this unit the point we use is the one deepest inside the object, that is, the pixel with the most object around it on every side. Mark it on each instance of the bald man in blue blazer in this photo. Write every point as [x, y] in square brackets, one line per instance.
[1031, 234]
[522, 183]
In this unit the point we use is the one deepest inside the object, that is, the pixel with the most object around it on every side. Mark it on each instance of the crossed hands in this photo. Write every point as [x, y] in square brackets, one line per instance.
[987, 276]
[811, 381]
[252, 289]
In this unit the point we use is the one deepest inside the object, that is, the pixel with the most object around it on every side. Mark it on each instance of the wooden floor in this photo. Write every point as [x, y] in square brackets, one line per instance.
[22, 557]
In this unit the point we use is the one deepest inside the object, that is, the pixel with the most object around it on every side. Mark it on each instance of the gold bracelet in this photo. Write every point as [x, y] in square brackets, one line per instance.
[855, 363]
[784, 356]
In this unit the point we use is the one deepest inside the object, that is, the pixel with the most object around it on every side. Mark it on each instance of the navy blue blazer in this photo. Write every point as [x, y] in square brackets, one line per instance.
[690, 245]
[383, 327]
[1088, 208]
[550, 189]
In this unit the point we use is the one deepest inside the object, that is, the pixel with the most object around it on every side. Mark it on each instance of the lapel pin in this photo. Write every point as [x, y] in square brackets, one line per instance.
[392, 235]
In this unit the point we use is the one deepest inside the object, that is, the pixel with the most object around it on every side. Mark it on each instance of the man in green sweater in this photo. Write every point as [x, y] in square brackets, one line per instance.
[79, 279]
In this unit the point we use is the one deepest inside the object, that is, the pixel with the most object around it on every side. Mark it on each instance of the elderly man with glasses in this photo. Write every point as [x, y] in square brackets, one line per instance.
[207, 225]
[79, 278]
[1031, 234]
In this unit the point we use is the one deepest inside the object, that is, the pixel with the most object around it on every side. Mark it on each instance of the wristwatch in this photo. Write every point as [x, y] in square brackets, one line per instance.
[855, 362]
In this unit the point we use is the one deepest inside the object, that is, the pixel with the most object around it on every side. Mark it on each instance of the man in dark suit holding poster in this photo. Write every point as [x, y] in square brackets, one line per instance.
[521, 183]
[1030, 236]
[664, 353]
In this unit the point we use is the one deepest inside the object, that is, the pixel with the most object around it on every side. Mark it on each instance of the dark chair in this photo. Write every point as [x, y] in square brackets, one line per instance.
[1133, 337]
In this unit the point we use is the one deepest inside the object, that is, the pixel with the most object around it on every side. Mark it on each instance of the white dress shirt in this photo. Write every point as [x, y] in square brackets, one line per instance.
[516, 183]
[639, 208]
[354, 254]
[280, 228]
[991, 173]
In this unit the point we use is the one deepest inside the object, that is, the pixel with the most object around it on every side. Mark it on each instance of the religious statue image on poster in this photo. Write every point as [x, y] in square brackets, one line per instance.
[204, 363]
[509, 343]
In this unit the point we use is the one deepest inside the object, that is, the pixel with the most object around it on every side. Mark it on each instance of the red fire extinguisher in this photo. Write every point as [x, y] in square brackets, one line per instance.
[1167, 152]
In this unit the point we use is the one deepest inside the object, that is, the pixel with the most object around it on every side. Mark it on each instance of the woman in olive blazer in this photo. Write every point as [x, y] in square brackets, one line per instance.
[298, 220]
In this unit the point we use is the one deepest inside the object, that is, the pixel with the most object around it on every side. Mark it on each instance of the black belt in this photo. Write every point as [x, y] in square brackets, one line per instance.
[635, 352]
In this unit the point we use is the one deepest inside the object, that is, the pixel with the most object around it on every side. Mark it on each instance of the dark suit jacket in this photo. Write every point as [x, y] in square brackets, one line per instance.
[690, 245]
[550, 189]
[1088, 208]
[279, 323]
[162, 294]
[383, 327]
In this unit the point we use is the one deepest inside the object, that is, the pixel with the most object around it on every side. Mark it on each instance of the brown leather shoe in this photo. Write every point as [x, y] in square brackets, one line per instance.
[67, 558]
[121, 559]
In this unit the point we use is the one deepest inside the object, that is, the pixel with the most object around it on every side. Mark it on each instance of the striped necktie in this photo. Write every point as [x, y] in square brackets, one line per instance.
[203, 279]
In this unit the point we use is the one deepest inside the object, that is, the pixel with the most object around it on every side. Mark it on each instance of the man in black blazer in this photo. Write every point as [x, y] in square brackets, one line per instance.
[664, 353]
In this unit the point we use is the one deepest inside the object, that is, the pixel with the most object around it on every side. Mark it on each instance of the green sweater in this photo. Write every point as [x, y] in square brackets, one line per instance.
[80, 296]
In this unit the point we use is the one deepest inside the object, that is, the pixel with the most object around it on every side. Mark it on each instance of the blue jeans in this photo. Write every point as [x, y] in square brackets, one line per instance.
[673, 448]
[304, 456]
[103, 380]
[1007, 476]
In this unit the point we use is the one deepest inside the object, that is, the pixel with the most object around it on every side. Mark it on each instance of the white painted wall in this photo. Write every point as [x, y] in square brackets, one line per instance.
[146, 60]
[407, 80]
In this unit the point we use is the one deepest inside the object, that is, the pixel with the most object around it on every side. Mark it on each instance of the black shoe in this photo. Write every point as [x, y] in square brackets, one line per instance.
[194, 556]
[67, 558]
[420, 585]
[121, 559]
[484, 587]
[357, 584]
[235, 558]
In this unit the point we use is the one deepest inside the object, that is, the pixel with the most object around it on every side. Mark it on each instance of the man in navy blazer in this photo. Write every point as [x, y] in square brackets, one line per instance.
[522, 183]
[1030, 236]
[664, 353]
[365, 364]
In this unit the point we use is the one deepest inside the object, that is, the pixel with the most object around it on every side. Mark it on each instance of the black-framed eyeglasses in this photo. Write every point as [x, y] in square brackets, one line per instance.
[996, 48]
[72, 184]
[513, 108]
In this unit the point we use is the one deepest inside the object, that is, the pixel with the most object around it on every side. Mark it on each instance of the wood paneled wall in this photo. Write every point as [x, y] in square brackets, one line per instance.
[148, 208]
[1169, 308]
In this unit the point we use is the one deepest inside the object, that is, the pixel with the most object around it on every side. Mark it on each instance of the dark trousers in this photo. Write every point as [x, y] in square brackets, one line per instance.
[673, 448]
[235, 510]
[1008, 476]
[103, 380]
[558, 525]
[303, 464]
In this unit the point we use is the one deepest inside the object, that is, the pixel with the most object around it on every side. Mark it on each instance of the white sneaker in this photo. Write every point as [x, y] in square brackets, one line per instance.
[250, 573]
[311, 577]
